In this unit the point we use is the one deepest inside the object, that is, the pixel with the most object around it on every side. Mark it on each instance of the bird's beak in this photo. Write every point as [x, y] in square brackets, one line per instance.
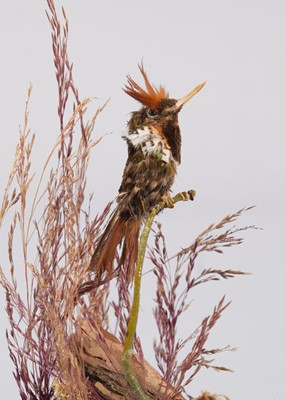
[186, 98]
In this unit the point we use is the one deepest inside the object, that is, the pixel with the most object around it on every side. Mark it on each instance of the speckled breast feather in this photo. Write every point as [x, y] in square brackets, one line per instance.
[151, 142]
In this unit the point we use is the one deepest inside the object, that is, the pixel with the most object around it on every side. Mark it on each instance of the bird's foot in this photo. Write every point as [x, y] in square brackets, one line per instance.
[169, 201]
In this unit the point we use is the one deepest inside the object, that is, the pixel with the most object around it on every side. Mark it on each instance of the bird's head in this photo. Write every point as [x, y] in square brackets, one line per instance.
[158, 110]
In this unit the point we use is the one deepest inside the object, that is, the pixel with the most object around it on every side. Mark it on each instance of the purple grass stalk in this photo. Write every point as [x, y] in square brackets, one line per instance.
[172, 300]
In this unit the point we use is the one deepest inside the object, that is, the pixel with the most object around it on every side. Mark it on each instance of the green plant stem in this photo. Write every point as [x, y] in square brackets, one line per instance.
[132, 323]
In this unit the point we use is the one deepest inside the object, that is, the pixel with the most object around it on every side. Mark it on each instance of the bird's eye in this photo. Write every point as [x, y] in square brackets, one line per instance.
[152, 112]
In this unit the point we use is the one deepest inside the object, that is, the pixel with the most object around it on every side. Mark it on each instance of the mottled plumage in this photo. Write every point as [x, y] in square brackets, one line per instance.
[154, 152]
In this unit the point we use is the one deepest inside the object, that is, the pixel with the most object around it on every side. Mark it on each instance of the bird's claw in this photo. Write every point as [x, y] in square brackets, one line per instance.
[169, 201]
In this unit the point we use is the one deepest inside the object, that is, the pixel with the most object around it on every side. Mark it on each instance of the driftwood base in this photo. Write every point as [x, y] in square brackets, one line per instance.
[102, 356]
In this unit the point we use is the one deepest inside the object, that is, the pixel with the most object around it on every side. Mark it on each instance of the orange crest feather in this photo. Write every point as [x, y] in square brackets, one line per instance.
[149, 97]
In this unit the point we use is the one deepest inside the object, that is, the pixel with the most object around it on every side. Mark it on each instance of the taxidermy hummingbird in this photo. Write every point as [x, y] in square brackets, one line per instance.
[154, 153]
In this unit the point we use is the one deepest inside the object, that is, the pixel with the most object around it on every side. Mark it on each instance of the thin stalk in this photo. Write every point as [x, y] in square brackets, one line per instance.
[132, 323]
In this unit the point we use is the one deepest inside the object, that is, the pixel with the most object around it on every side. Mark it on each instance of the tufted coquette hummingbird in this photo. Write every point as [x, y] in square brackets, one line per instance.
[154, 152]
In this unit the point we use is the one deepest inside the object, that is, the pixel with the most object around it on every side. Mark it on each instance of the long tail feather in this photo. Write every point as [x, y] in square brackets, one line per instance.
[118, 230]
[130, 246]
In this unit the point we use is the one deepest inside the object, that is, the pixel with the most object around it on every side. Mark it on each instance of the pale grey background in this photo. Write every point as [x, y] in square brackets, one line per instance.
[233, 147]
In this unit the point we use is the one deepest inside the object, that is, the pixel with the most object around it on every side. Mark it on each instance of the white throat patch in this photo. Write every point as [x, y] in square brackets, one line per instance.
[151, 143]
